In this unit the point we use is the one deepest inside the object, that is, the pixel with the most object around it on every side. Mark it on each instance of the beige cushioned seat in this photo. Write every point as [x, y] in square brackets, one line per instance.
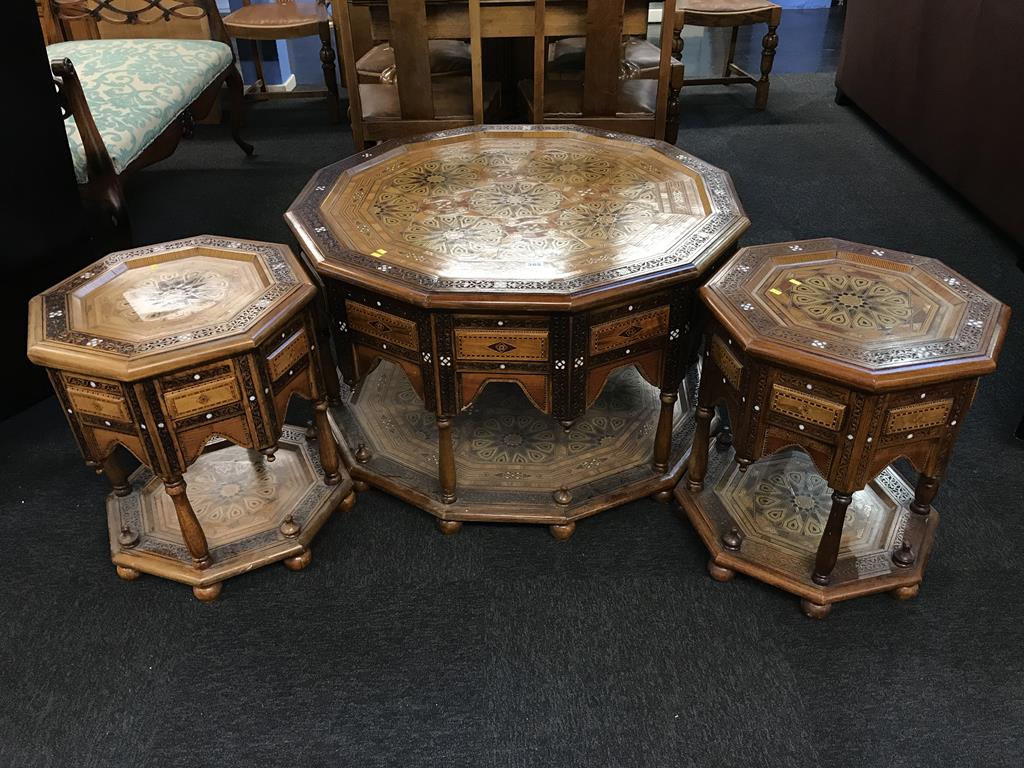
[447, 57]
[452, 98]
[564, 98]
[723, 6]
[568, 54]
[301, 19]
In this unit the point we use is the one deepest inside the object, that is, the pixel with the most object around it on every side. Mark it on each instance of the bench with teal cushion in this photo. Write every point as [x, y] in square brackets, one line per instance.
[128, 98]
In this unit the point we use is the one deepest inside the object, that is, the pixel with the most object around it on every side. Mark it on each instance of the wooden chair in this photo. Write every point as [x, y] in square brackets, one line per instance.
[415, 102]
[610, 99]
[131, 95]
[734, 14]
[288, 20]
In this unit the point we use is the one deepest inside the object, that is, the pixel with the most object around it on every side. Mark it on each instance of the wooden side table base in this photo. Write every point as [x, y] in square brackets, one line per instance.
[766, 523]
[515, 465]
[252, 513]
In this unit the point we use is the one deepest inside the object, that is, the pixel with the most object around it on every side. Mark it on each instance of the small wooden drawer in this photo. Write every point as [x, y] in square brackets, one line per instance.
[520, 345]
[806, 408]
[204, 396]
[102, 403]
[917, 417]
[382, 325]
[629, 330]
[291, 351]
[727, 362]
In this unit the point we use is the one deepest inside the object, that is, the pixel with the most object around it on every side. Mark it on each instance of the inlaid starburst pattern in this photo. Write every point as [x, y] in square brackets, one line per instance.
[567, 167]
[608, 221]
[796, 501]
[435, 177]
[175, 295]
[514, 199]
[455, 234]
[854, 302]
[523, 438]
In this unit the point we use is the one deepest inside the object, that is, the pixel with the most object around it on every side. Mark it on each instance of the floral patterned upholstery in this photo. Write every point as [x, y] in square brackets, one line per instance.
[136, 88]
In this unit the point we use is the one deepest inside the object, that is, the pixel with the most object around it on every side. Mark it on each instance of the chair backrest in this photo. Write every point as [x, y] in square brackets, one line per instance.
[408, 32]
[143, 19]
[603, 63]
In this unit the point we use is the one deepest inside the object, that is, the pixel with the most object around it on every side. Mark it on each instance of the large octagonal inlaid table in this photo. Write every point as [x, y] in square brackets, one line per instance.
[538, 257]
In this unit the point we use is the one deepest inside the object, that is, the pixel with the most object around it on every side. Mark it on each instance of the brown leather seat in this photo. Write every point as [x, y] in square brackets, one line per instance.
[447, 57]
[564, 98]
[642, 59]
[723, 6]
[453, 98]
[295, 19]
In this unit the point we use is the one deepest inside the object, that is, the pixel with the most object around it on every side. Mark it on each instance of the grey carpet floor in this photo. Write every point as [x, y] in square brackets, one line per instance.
[501, 646]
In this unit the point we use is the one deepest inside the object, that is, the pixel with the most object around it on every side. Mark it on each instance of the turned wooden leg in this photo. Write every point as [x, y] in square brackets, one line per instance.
[906, 593]
[191, 530]
[699, 450]
[116, 470]
[815, 610]
[299, 561]
[564, 531]
[348, 502]
[828, 549]
[723, 440]
[327, 443]
[449, 527]
[360, 486]
[126, 573]
[663, 435]
[924, 494]
[720, 572]
[446, 459]
[770, 42]
[732, 51]
[236, 92]
[327, 59]
[207, 594]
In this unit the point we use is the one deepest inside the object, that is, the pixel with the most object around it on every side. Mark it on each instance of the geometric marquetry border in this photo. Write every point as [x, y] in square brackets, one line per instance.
[691, 253]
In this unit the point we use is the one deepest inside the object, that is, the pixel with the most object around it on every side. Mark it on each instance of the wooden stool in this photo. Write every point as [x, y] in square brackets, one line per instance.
[734, 14]
[161, 349]
[288, 20]
[858, 356]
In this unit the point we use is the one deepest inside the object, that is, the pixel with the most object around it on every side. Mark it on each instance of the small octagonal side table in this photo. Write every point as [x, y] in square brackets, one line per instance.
[857, 356]
[162, 349]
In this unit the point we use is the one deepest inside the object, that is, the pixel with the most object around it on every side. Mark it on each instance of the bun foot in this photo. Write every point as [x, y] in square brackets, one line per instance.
[815, 611]
[906, 593]
[348, 502]
[562, 532]
[300, 561]
[449, 527]
[360, 486]
[662, 497]
[720, 573]
[126, 573]
[207, 594]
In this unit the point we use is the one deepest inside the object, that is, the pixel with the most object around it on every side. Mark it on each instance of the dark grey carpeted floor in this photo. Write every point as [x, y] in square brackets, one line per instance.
[501, 646]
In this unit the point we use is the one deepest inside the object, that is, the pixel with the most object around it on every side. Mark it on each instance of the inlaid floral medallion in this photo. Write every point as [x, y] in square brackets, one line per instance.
[175, 295]
[527, 208]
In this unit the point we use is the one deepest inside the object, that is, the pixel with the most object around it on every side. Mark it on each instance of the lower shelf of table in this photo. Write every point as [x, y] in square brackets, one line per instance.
[241, 501]
[779, 507]
[512, 460]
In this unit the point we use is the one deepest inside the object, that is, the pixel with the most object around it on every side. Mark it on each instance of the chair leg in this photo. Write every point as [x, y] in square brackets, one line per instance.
[769, 43]
[257, 60]
[327, 61]
[732, 51]
[236, 92]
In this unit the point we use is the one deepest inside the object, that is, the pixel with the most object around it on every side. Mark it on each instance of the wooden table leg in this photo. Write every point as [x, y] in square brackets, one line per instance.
[828, 549]
[117, 473]
[446, 459]
[191, 530]
[328, 445]
[698, 466]
[663, 435]
[924, 494]
[327, 59]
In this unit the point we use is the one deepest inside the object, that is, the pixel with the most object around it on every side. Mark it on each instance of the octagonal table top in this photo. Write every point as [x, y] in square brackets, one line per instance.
[514, 214]
[145, 311]
[867, 315]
